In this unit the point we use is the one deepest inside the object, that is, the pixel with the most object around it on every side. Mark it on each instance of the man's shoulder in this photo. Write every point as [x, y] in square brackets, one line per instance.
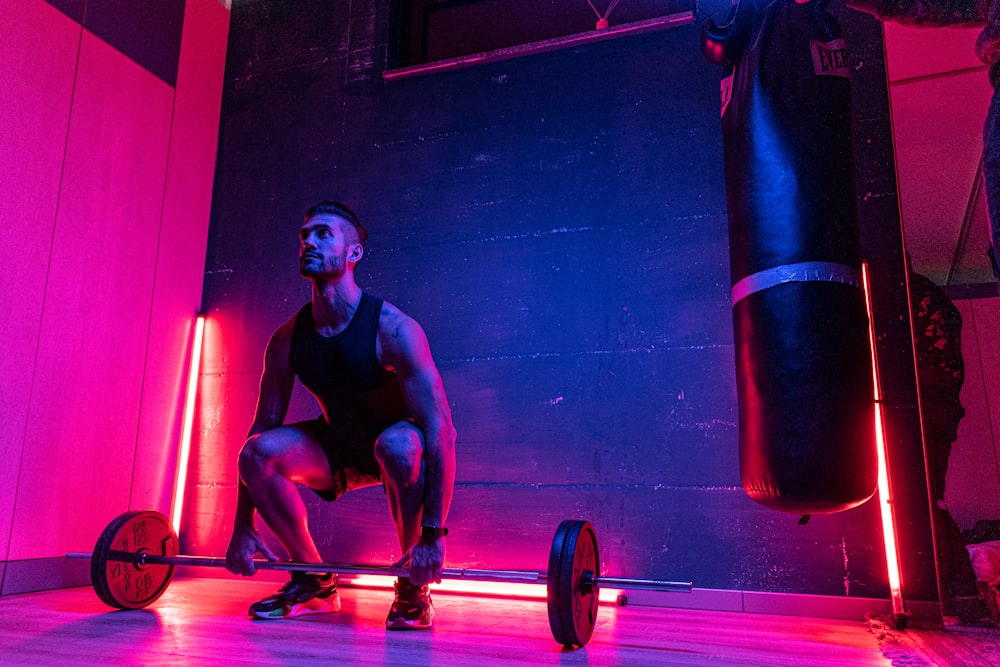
[390, 313]
[285, 330]
[397, 327]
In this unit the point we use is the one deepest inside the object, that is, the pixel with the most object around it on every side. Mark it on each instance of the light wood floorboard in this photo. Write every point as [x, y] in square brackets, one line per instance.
[202, 622]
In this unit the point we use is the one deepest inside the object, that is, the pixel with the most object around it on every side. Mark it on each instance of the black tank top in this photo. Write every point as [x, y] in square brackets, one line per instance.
[358, 396]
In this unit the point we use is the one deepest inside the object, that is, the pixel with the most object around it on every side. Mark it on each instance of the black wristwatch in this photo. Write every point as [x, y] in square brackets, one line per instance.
[430, 534]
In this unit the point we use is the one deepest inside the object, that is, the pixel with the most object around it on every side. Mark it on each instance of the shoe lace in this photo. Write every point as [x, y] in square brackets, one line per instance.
[301, 581]
[409, 593]
[291, 586]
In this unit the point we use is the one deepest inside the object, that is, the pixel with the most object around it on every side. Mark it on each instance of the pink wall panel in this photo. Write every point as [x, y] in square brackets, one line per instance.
[35, 98]
[83, 417]
[181, 260]
[914, 52]
[934, 200]
[973, 483]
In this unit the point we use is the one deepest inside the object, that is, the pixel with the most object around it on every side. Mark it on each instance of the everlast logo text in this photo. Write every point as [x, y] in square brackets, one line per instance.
[830, 58]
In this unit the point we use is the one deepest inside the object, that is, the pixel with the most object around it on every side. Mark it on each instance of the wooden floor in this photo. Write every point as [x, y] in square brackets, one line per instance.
[202, 622]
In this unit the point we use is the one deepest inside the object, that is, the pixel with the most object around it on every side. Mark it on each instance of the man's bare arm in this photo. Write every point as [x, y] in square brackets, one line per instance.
[276, 382]
[405, 348]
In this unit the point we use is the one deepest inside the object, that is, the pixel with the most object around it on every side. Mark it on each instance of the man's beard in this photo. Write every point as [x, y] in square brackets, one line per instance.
[319, 268]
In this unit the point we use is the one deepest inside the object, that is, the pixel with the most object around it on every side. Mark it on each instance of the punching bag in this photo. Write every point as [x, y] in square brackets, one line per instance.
[803, 365]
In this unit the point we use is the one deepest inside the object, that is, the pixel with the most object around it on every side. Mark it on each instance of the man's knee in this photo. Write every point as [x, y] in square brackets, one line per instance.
[256, 457]
[400, 453]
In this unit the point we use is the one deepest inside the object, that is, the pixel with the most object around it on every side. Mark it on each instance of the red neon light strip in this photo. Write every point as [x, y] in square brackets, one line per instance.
[884, 494]
[188, 421]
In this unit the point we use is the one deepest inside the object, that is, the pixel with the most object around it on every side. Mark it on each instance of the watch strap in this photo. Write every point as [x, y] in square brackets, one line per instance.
[430, 534]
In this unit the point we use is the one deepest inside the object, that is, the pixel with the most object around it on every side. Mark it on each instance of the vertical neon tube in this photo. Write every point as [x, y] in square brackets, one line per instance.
[885, 498]
[188, 422]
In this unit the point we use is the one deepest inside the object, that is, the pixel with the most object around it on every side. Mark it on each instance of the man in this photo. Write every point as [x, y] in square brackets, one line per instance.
[385, 420]
[937, 339]
[962, 13]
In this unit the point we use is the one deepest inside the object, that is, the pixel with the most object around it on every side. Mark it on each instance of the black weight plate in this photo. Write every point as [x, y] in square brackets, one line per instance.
[572, 602]
[584, 561]
[125, 584]
[553, 600]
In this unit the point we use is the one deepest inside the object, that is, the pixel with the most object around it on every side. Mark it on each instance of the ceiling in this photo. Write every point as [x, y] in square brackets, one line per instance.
[939, 94]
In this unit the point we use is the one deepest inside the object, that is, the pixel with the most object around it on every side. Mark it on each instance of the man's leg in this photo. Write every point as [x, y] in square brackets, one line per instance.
[400, 454]
[399, 451]
[271, 465]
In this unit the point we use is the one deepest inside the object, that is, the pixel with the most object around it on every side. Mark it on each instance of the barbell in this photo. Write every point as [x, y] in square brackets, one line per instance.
[134, 558]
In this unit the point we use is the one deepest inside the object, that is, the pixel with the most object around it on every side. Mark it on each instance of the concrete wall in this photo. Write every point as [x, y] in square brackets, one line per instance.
[557, 223]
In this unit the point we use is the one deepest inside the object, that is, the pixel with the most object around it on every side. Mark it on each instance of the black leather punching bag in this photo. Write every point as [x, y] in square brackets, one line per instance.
[803, 366]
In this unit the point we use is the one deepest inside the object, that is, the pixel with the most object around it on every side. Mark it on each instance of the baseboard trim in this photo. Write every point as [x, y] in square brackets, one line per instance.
[44, 574]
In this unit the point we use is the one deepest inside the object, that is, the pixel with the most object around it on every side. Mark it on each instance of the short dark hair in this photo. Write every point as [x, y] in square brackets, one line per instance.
[340, 210]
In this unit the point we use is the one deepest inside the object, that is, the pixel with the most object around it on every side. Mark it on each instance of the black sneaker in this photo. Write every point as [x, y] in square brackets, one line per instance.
[304, 594]
[412, 608]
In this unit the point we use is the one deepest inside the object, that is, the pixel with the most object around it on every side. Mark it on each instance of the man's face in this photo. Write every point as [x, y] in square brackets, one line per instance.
[324, 246]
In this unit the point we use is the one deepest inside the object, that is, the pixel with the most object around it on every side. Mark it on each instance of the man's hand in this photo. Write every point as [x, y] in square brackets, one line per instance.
[245, 543]
[427, 562]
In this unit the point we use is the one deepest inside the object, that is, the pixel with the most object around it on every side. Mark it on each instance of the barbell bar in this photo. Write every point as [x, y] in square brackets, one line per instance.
[143, 558]
[134, 559]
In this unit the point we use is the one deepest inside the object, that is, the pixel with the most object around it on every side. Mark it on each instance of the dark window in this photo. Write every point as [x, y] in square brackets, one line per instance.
[435, 30]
